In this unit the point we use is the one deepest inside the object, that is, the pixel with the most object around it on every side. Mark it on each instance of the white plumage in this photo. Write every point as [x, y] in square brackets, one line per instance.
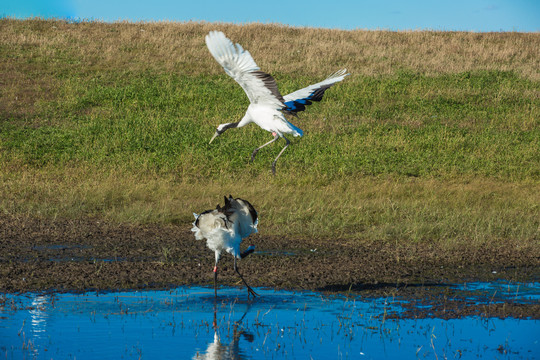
[267, 106]
[224, 228]
[217, 350]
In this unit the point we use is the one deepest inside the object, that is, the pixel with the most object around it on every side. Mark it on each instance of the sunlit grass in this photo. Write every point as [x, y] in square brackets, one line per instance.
[435, 136]
[164, 123]
[415, 210]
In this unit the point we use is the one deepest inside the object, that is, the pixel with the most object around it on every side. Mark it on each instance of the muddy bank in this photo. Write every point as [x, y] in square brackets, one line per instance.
[89, 254]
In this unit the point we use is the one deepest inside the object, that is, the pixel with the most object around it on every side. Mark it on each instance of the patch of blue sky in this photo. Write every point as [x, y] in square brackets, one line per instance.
[457, 15]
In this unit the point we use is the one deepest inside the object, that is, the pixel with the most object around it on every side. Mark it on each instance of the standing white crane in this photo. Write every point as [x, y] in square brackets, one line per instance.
[267, 106]
[224, 228]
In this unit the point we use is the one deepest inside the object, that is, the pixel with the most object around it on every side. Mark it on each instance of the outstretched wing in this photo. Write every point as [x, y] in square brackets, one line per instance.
[260, 87]
[298, 100]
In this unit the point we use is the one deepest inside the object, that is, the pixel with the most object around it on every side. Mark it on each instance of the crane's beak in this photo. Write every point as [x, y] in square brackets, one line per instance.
[213, 137]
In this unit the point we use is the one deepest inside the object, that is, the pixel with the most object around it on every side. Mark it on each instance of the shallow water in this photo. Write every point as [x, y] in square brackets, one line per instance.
[188, 323]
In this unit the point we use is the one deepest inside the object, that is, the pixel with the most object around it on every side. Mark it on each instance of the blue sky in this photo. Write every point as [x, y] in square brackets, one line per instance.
[469, 15]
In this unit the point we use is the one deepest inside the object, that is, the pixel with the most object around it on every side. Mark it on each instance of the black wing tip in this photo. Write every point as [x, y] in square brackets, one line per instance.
[294, 106]
[226, 209]
[270, 83]
[298, 105]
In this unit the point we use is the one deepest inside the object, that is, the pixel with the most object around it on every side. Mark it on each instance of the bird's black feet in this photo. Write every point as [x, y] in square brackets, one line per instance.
[253, 154]
[251, 292]
[274, 168]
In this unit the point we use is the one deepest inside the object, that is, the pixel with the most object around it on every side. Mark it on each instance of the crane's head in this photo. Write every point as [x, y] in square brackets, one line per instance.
[221, 129]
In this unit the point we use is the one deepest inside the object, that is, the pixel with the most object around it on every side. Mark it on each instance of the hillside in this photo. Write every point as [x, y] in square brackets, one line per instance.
[434, 137]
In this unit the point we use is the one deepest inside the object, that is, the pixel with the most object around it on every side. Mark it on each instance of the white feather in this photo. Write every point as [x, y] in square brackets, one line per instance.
[224, 233]
[305, 92]
[239, 65]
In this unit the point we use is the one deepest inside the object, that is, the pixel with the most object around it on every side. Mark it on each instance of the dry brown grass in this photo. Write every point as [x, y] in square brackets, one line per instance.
[169, 47]
[164, 47]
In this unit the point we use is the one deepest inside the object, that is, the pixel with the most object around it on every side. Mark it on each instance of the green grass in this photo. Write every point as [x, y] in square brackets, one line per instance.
[399, 156]
[403, 125]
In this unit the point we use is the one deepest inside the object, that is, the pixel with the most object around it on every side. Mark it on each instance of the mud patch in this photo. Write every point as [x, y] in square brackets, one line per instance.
[90, 254]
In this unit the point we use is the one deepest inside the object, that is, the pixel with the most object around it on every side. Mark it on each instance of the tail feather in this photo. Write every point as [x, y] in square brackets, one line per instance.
[296, 130]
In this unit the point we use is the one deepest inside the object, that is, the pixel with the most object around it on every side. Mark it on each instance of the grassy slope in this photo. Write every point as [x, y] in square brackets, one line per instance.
[435, 136]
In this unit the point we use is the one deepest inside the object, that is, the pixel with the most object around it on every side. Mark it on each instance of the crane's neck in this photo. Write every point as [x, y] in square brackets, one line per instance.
[224, 127]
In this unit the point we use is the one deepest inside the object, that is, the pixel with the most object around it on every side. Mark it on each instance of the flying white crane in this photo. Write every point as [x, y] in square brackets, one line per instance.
[267, 106]
[224, 228]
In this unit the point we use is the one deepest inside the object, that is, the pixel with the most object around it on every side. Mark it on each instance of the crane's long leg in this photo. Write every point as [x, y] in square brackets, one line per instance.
[281, 152]
[218, 255]
[215, 281]
[214, 324]
[250, 290]
[260, 147]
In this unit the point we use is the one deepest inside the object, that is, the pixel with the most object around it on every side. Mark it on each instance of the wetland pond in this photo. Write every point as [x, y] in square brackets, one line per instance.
[188, 323]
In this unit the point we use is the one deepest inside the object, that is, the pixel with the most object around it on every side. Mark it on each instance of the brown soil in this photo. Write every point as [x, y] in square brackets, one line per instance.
[90, 254]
